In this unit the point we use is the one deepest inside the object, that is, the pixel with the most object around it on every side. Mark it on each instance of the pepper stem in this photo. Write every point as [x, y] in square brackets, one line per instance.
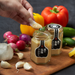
[54, 10]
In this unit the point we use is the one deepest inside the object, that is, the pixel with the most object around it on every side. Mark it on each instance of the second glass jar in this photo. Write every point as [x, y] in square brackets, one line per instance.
[56, 31]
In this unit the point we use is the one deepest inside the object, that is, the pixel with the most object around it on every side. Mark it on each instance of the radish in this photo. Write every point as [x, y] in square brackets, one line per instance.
[12, 39]
[25, 38]
[9, 36]
[6, 34]
[14, 47]
[21, 45]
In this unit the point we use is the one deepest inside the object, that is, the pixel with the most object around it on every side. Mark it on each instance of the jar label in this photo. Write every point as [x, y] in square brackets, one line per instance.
[56, 41]
[41, 51]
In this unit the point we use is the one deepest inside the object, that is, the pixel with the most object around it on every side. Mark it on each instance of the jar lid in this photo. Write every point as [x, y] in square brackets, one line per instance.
[51, 27]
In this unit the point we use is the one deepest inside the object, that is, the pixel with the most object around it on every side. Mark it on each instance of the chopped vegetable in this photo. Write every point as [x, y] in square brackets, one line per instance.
[72, 52]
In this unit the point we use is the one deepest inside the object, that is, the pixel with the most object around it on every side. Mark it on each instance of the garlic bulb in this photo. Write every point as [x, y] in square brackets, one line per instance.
[5, 64]
[20, 55]
[6, 52]
[27, 66]
[19, 64]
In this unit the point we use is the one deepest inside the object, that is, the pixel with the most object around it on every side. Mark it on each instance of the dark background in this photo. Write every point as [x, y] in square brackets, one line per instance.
[7, 24]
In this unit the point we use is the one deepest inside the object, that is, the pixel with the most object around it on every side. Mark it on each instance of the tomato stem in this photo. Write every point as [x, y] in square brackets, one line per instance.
[54, 10]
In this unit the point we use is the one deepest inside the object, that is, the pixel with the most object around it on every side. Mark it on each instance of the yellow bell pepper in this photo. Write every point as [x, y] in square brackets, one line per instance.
[38, 18]
[25, 29]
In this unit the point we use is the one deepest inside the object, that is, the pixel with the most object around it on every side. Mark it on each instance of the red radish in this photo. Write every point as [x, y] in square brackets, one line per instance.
[6, 34]
[9, 36]
[13, 39]
[25, 38]
[21, 45]
[14, 47]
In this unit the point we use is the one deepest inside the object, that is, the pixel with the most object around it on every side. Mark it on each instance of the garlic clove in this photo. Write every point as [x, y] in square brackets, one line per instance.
[27, 66]
[5, 64]
[19, 64]
[20, 55]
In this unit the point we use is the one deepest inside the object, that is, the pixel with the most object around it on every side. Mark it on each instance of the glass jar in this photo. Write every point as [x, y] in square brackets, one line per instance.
[41, 47]
[56, 31]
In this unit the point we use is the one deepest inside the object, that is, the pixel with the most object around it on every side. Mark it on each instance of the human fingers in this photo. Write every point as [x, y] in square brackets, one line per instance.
[27, 5]
[23, 13]
[19, 20]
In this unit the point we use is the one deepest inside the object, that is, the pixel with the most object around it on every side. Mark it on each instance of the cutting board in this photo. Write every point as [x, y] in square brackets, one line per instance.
[55, 64]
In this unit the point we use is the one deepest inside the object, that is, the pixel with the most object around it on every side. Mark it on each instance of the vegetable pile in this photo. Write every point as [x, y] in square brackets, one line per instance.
[57, 14]
[17, 42]
[14, 45]
[68, 33]
[25, 29]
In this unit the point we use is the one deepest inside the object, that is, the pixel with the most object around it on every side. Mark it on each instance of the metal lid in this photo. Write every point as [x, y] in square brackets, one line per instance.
[54, 26]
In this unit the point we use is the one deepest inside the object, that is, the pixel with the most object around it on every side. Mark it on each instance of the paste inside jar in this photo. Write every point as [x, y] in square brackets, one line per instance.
[60, 36]
[35, 43]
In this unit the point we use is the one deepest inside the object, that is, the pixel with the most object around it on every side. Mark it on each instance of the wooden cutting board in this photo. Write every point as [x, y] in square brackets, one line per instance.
[56, 63]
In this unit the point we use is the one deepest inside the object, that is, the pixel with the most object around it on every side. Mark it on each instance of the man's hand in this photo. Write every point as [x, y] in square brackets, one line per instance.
[19, 10]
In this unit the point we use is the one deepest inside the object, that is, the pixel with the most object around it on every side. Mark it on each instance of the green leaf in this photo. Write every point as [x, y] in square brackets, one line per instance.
[42, 29]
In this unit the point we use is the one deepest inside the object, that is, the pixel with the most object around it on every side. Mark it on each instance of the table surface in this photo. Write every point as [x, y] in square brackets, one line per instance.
[7, 24]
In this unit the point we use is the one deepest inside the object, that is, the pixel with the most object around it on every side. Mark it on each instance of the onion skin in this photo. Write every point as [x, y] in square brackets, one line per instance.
[25, 38]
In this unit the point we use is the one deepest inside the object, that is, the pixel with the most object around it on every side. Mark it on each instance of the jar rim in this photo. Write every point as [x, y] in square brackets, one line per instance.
[43, 34]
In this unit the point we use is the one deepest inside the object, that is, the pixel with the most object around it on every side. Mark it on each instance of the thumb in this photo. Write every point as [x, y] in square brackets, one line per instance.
[31, 13]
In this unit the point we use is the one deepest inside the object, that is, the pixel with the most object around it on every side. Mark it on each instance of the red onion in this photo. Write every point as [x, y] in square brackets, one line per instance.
[25, 38]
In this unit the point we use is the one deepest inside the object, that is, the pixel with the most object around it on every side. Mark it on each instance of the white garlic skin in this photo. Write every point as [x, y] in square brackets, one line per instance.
[27, 66]
[6, 52]
[5, 64]
[19, 64]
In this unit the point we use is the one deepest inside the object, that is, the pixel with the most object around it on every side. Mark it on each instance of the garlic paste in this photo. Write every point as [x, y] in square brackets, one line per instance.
[41, 47]
[56, 31]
